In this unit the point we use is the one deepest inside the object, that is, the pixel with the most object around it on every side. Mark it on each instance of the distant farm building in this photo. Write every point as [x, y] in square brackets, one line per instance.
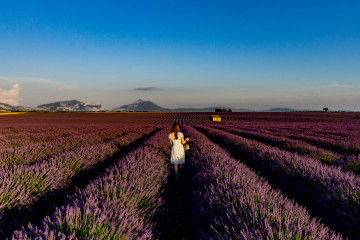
[216, 118]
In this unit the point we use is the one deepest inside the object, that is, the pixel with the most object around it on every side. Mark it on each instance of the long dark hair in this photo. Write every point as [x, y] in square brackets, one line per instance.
[176, 129]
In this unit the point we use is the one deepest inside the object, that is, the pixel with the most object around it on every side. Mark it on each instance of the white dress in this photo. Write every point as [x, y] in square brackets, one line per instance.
[177, 149]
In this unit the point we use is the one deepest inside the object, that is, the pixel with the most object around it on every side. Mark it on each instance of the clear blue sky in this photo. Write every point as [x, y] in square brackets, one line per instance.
[240, 54]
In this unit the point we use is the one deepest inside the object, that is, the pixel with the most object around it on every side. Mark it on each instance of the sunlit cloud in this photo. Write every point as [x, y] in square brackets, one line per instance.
[11, 96]
[39, 81]
[35, 91]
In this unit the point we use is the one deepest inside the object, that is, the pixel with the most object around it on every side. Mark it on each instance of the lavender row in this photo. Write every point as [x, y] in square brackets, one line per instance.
[118, 205]
[31, 153]
[232, 202]
[337, 131]
[328, 192]
[22, 186]
[349, 145]
[301, 147]
[346, 162]
[333, 131]
[338, 145]
[32, 135]
[24, 135]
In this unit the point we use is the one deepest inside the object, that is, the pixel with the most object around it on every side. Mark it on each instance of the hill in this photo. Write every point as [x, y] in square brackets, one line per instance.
[72, 105]
[141, 105]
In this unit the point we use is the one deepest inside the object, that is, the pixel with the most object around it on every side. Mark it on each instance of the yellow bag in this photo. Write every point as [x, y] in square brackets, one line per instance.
[186, 146]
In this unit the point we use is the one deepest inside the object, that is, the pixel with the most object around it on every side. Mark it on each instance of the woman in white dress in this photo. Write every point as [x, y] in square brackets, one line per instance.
[177, 150]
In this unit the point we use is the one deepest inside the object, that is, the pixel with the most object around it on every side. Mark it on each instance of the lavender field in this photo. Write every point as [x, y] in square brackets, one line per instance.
[251, 176]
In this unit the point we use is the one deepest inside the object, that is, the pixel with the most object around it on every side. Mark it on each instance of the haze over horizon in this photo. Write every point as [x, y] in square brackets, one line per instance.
[253, 55]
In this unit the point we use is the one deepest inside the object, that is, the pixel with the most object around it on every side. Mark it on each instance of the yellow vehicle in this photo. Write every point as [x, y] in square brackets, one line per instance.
[216, 118]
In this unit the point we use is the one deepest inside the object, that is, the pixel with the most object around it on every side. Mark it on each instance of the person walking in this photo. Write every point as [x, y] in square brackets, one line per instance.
[177, 149]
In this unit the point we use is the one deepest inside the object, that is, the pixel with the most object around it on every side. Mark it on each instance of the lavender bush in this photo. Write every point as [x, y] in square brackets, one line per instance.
[22, 186]
[118, 204]
[232, 202]
[328, 192]
[341, 145]
[29, 152]
[301, 147]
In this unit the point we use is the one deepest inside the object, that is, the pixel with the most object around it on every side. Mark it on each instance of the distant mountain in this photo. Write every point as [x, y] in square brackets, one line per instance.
[210, 109]
[243, 110]
[6, 107]
[279, 110]
[141, 105]
[286, 110]
[72, 106]
[149, 106]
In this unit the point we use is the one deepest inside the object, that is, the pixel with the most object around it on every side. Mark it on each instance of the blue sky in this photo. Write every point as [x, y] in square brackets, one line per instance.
[240, 54]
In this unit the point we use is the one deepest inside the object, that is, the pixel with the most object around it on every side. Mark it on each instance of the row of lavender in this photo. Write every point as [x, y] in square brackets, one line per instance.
[229, 201]
[178, 119]
[21, 187]
[329, 130]
[343, 141]
[120, 204]
[346, 162]
[22, 149]
[328, 192]
[347, 145]
[22, 135]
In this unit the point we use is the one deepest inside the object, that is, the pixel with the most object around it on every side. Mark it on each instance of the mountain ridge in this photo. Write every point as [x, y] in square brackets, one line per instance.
[137, 106]
[141, 105]
[72, 105]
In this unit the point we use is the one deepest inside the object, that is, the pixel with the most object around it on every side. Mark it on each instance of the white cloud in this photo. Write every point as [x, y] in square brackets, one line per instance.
[36, 91]
[39, 81]
[11, 96]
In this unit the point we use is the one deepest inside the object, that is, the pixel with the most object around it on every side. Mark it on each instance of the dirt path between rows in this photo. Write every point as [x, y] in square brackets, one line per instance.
[174, 224]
